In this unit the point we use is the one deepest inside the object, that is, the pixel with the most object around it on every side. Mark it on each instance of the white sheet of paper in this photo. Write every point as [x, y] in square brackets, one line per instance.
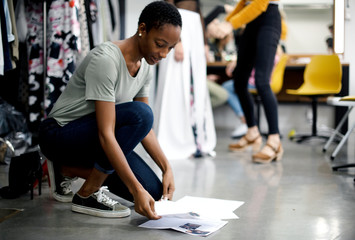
[185, 223]
[193, 215]
[211, 208]
[168, 207]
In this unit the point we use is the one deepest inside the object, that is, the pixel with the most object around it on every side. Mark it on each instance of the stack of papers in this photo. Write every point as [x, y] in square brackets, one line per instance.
[193, 215]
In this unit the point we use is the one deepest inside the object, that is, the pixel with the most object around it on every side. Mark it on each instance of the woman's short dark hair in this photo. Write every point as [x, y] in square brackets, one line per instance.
[159, 13]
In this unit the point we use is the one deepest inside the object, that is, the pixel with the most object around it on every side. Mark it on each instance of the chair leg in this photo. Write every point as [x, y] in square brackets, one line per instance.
[343, 140]
[335, 168]
[299, 138]
[314, 112]
[337, 129]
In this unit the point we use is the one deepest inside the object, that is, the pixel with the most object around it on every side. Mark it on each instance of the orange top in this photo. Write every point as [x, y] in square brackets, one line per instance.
[283, 29]
[244, 13]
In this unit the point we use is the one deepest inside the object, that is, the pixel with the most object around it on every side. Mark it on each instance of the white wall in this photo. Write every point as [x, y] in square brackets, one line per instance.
[307, 22]
[349, 55]
[307, 30]
[133, 10]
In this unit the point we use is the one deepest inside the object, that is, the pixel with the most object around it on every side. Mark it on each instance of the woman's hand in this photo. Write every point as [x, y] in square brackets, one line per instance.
[168, 184]
[179, 52]
[219, 30]
[144, 204]
[228, 8]
[230, 68]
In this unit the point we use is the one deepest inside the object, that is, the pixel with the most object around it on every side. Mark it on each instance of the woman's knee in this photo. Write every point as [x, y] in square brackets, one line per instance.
[145, 112]
[240, 88]
[148, 113]
[228, 85]
[262, 86]
[240, 81]
[139, 112]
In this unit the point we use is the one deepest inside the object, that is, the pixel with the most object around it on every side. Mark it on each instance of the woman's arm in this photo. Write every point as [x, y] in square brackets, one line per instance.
[151, 145]
[106, 121]
[243, 14]
[179, 52]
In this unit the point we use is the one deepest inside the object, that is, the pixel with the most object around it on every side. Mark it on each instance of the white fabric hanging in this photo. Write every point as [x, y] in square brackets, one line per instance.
[174, 115]
[10, 36]
[21, 22]
[115, 32]
[84, 34]
[1, 54]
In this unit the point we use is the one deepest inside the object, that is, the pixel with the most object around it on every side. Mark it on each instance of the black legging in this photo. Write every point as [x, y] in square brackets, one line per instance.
[257, 49]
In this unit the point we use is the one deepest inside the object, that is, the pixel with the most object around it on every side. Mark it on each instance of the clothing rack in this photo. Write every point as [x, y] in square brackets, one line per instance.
[44, 56]
[122, 36]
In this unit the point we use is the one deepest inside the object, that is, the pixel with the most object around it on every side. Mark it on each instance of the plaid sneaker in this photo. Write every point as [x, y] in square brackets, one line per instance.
[60, 185]
[100, 205]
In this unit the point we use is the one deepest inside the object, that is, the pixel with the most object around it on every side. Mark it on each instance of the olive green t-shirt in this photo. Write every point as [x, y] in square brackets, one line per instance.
[102, 75]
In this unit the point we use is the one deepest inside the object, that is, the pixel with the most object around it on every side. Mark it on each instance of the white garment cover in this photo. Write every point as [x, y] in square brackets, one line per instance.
[174, 116]
[2, 63]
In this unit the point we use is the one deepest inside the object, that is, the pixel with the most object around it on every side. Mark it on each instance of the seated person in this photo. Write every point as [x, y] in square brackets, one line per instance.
[218, 94]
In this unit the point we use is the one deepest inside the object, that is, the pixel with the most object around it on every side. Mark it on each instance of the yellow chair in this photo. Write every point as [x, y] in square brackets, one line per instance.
[322, 77]
[277, 76]
[276, 83]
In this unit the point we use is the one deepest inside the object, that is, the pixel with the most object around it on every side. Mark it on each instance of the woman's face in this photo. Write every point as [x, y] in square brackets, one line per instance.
[157, 43]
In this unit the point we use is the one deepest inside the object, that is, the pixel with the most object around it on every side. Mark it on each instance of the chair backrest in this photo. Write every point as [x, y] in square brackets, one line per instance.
[323, 73]
[277, 76]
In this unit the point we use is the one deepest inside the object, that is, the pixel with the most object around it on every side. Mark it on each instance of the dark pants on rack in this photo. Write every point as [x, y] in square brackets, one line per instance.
[77, 144]
[257, 49]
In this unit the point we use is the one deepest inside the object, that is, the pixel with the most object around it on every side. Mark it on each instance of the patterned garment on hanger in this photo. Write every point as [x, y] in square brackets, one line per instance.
[84, 33]
[34, 40]
[63, 47]
[198, 152]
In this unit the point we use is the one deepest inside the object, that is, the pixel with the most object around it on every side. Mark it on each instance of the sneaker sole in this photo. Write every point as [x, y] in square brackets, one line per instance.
[100, 213]
[62, 198]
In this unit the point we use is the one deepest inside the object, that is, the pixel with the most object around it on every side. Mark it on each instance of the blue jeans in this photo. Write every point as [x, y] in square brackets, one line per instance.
[257, 49]
[233, 99]
[77, 144]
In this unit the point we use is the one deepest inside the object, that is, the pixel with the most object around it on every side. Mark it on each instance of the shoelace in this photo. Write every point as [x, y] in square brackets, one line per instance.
[65, 184]
[103, 198]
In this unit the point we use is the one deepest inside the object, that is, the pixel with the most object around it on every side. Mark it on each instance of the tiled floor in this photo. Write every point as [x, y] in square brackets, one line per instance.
[298, 198]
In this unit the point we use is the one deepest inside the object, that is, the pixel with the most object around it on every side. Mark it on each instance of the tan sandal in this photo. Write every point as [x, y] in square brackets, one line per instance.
[262, 157]
[244, 142]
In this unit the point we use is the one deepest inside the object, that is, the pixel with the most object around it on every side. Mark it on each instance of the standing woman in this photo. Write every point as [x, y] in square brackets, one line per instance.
[103, 114]
[257, 49]
[184, 120]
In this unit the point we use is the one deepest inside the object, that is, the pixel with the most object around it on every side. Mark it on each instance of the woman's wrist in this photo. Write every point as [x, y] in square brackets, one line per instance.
[166, 167]
[136, 189]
